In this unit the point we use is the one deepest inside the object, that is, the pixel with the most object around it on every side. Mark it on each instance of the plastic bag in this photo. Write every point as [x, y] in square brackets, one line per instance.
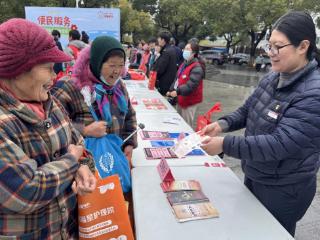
[109, 158]
[205, 119]
[152, 80]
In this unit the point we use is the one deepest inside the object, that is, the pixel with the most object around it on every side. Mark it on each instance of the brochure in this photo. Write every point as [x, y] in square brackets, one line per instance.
[186, 197]
[189, 212]
[187, 185]
[158, 153]
[154, 135]
[154, 103]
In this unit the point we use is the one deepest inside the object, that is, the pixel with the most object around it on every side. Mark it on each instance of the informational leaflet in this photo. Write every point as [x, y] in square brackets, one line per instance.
[194, 211]
[187, 144]
[154, 103]
[154, 135]
[158, 153]
[165, 171]
[186, 198]
[182, 185]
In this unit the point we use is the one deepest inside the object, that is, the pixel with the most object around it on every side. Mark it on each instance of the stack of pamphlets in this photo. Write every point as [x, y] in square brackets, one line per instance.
[187, 200]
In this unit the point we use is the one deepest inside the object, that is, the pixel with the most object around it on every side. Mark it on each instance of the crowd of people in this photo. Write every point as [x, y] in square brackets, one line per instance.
[44, 119]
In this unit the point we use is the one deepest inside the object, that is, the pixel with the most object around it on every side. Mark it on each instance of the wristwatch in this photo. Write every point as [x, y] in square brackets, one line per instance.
[86, 160]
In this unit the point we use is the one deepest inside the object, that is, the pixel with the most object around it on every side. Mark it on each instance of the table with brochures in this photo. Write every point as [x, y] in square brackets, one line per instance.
[241, 215]
[172, 123]
[150, 101]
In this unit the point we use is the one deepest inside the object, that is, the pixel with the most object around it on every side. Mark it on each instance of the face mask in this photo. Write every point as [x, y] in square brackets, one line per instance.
[186, 54]
[108, 84]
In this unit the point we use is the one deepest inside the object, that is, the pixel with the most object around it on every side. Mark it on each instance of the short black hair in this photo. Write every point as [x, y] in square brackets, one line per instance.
[181, 45]
[152, 40]
[55, 33]
[74, 34]
[298, 26]
[84, 37]
[165, 36]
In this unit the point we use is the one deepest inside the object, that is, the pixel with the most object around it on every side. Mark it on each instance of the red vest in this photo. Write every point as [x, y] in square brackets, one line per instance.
[183, 77]
[75, 51]
[144, 61]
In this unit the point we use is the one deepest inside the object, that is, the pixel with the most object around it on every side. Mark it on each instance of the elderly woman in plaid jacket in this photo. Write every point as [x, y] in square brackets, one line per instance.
[99, 68]
[42, 158]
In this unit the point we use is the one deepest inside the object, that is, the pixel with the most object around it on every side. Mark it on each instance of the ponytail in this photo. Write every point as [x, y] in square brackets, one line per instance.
[316, 55]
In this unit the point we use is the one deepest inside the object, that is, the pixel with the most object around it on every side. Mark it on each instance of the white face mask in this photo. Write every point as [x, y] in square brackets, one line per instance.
[186, 54]
[106, 82]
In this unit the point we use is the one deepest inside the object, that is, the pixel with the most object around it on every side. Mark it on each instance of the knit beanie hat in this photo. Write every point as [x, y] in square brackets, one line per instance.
[24, 44]
[100, 47]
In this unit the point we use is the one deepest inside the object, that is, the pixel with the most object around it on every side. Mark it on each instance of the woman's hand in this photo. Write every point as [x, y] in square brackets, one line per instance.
[211, 130]
[85, 182]
[213, 145]
[95, 129]
[172, 94]
[76, 150]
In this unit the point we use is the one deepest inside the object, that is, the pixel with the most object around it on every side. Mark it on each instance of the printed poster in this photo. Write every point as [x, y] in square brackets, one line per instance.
[94, 21]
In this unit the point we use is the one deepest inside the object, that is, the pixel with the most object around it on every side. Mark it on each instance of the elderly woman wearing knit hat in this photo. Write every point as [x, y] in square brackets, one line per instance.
[98, 68]
[42, 157]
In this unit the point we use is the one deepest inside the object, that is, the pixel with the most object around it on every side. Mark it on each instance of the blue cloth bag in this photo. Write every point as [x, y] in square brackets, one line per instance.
[109, 158]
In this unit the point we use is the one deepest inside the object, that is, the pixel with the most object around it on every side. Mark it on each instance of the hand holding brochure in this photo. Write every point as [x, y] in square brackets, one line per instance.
[187, 144]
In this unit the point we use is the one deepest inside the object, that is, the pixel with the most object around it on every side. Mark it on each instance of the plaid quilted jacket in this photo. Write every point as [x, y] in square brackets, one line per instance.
[36, 172]
[72, 100]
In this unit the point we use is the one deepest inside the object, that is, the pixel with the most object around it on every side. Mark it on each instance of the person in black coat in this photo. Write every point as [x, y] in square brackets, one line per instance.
[165, 65]
[57, 67]
[279, 152]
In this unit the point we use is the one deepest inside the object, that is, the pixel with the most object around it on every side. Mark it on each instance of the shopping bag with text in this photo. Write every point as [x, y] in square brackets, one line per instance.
[103, 214]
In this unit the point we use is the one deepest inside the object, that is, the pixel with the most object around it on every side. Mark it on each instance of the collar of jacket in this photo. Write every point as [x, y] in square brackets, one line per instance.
[164, 48]
[187, 63]
[17, 108]
[312, 65]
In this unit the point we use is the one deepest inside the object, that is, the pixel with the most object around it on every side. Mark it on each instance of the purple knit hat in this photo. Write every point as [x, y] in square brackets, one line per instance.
[24, 44]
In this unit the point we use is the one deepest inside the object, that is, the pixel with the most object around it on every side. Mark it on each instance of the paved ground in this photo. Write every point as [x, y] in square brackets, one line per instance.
[231, 85]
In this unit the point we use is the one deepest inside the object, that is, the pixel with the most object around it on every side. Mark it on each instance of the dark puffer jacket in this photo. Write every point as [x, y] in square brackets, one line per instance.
[166, 68]
[282, 138]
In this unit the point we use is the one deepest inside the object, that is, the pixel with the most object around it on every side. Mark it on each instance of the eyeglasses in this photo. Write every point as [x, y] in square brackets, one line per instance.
[274, 49]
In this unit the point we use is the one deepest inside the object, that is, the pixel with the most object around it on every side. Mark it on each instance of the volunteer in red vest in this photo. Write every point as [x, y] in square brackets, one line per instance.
[145, 58]
[188, 86]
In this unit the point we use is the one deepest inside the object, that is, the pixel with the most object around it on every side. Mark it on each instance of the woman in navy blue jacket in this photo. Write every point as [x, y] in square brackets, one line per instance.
[280, 150]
